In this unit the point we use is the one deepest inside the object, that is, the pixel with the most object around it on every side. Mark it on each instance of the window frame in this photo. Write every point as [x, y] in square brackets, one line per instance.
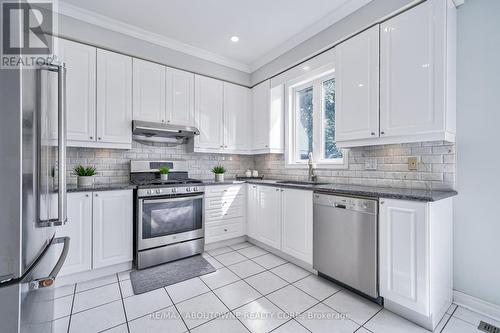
[314, 79]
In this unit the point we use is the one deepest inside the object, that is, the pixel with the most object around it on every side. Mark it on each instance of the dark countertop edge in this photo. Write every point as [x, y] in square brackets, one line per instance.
[72, 188]
[340, 189]
[363, 191]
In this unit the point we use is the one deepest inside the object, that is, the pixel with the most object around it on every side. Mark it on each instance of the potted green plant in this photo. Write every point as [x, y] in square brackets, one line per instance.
[164, 173]
[219, 171]
[85, 175]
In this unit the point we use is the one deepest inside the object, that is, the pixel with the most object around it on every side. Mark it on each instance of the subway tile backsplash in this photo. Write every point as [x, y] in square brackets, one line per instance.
[385, 166]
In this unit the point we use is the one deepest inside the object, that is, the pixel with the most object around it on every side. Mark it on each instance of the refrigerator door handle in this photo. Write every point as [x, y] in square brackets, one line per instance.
[49, 280]
[61, 159]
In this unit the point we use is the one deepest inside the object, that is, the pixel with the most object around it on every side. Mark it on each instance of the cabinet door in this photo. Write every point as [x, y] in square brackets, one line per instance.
[236, 102]
[180, 97]
[357, 87]
[149, 91]
[208, 112]
[114, 97]
[79, 230]
[112, 228]
[269, 216]
[297, 223]
[252, 211]
[404, 275]
[412, 71]
[261, 115]
[80, 63]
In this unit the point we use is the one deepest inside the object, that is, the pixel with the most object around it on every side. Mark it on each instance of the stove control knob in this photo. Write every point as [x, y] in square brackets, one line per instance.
[174, 190]
[148, 191]
[188, 189]
[195, 189]
[158, 191]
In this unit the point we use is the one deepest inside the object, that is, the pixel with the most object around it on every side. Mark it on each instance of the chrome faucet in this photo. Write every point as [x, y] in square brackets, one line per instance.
[312, 177]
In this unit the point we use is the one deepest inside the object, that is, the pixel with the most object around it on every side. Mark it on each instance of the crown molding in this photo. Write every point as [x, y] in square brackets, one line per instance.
[346, 8]
[148, 36]
[458, 2]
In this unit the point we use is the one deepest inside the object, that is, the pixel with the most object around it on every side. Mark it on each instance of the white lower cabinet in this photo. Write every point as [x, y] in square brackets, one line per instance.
[79, 230]
[416, 258]
[281, 218]
[100, 228]
[224, 210]
[297, 227]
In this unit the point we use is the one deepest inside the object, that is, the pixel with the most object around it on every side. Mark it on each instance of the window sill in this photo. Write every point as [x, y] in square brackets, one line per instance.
[320, 166]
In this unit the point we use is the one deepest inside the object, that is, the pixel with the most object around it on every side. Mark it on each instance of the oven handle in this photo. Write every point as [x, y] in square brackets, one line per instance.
[192, 197]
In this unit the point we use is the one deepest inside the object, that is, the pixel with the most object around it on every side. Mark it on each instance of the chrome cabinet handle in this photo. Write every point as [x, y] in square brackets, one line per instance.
[91, 137]
[373, 133]
[382, 133]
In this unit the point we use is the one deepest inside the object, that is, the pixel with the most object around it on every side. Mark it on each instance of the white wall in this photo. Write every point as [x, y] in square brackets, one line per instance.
[91, 34]
[477, 208]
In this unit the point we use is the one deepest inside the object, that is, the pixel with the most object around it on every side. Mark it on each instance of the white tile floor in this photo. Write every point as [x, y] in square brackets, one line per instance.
[251, 291]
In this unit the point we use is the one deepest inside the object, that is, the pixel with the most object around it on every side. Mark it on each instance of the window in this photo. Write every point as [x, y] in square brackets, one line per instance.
[311, 123]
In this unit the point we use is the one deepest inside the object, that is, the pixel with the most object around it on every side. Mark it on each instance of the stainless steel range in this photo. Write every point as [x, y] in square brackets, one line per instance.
[169, 213]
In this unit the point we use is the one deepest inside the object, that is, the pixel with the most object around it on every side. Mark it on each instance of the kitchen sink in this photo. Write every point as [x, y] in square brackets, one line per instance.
[299, 182]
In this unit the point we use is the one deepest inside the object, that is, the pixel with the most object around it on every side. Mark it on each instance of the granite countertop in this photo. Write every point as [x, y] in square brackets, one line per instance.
[364, 191]
[100, 187]
[340, 189]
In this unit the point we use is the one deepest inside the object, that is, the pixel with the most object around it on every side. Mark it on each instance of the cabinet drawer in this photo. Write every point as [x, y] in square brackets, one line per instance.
[234, 228]
[223, 190]
[224, 213]
[224, 202]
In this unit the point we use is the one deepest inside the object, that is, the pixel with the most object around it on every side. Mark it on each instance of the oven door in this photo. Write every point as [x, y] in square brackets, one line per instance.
[164, 221]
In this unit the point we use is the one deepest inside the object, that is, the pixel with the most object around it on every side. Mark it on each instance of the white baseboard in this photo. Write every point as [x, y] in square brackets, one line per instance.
[477, 305]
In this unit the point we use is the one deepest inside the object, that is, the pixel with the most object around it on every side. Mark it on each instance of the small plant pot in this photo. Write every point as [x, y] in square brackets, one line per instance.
[219, 177]
[85, 180]
[164, 176]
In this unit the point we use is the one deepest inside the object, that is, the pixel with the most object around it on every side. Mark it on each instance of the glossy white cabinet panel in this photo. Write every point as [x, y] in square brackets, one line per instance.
[79, 230]
[114, 98]
[236, 115]
[267, 118]
[404, 253]
[149, 93]
[180, 97]
[297, 224]
[416, 258]
[208, 113]
[252, 205]
[268, 226]
[357, 87]
[112, 227]
[413, 71]
[80, 61]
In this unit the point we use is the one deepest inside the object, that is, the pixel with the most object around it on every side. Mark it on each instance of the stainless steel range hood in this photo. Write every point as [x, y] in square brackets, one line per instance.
[160, 132]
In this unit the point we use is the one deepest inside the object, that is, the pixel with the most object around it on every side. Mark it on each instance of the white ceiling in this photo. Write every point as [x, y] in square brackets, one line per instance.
[266, 28]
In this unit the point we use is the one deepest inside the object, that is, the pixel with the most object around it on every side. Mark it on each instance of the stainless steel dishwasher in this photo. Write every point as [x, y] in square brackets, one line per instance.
[345, 246]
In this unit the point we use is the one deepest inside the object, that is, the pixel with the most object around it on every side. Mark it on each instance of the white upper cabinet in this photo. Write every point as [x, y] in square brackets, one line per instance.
[114, 98]
[149, 91]
[236, 114]
[208, 113]
[80, 63]
[112, 228]
[267, 118]
[357, 87]
[297, 225]
[417, 85]
[180, 97]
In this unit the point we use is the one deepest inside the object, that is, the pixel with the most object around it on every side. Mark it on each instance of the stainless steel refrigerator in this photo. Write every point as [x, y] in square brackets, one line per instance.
[32, 195]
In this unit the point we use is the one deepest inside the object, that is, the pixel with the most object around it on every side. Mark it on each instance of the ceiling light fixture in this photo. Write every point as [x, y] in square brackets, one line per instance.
[306, 68]
[235, 39]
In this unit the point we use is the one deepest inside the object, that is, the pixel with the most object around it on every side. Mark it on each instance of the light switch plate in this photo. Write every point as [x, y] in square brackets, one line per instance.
[412, 163]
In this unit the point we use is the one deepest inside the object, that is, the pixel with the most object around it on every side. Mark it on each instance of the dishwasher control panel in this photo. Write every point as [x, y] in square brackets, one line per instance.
[369, 206]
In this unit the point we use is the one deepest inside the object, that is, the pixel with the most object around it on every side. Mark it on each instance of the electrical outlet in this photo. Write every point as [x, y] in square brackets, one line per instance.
[412, 163]
[371, 164]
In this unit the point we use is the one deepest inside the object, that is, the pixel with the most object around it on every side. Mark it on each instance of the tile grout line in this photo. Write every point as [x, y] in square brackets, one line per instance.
[176, 309]
[71, 311]
[123, 303]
